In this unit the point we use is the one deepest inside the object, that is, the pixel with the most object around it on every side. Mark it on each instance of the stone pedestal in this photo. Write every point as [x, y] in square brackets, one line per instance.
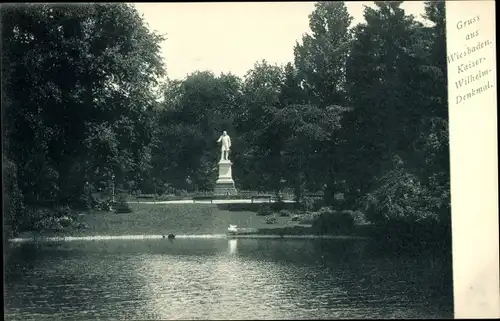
[225, 184]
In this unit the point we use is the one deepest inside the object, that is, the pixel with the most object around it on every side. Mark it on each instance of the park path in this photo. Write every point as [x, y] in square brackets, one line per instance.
[233, 201]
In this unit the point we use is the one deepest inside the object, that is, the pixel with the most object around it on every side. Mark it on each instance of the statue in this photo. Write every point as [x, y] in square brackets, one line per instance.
[225, 146]
[225, 183]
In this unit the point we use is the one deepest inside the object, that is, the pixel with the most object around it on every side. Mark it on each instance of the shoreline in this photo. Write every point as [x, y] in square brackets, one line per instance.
[184, 236]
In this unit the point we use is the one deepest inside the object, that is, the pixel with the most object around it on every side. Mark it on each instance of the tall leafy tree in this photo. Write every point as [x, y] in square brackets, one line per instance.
[261, 90]
[321, 61]
[395, 117]
[384, 84]
[434, 141]
[321, 57]
[77, 83]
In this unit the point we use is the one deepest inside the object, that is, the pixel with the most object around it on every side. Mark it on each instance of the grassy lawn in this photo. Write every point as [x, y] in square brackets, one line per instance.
[161, 219]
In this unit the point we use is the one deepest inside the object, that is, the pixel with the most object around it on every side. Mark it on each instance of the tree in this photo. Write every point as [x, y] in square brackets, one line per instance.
[302, 132]
[195, 111]
[321, 63]
[321, 58]
[434, 141]
[261, 90]
[291, 90]
[385, 88]
[405, 122]
[84, 86]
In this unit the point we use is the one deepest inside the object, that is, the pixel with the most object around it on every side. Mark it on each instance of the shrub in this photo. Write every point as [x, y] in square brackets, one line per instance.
[181, 192]
[82, 225]
[104, 205]
[325, 210]
[401, 196]
[264, 209]
[48, 223]
[65, 221]
[285, 213]
[32, 218]
[309, 217]
[311, 204]
[307, 204]
[329, 221]
[223, 197]
[271, 220]
[203, 193]
[359, 217]
[339, 197]
[63, 211]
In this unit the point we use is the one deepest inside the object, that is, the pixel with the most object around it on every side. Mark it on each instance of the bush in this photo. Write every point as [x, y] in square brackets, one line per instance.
[359, 217]
[311, 204]
[330, 221]
[32, 218]
[224, 197]
[285, 213]
[264, 210]
[181, 192]
[63, 211]
[325, 210]
[271, 220]
[47, 219]
[48, 223]
[82, 225]
[104, 205]
[307, 204]
[309, 217]
[65, 221]
[401, 196]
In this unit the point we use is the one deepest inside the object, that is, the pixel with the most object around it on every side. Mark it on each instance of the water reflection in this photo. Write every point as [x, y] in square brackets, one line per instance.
[233, 246]
[222, 279]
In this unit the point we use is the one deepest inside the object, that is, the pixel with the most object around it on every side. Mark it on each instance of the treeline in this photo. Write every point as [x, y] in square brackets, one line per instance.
[360, 111]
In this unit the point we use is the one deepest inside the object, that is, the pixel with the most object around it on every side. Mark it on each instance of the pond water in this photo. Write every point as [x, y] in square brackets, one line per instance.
[223, 279]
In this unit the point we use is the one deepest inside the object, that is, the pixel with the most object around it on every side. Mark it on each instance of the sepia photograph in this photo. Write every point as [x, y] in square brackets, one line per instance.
[225, 160]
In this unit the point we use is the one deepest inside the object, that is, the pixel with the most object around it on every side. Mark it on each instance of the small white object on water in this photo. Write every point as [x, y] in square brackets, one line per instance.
[232, 228]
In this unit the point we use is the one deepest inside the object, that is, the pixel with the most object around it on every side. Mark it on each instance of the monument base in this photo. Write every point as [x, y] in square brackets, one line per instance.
[225, 189]
[225, 183]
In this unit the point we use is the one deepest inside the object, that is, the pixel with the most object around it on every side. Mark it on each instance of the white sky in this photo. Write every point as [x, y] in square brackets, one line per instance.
[232, 36]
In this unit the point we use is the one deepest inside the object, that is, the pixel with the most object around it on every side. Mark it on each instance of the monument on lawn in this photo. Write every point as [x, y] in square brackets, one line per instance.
[225, 184]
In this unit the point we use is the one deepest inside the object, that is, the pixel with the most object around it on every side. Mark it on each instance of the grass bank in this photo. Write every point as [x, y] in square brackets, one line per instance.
[164, 219]
[204, 219]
